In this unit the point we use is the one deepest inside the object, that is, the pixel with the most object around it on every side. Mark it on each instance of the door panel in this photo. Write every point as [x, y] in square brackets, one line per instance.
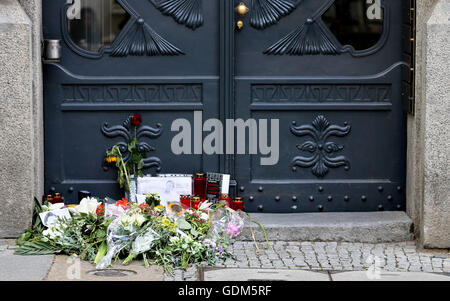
[342, 123]
[89, 95]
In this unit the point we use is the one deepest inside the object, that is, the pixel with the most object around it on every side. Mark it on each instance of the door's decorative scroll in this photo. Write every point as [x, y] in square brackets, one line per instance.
[187, 12]
[316, 36]
[141, 39]
[308, 39]
[136, 38]
[124, 131]
[268, 12]
[321, 149]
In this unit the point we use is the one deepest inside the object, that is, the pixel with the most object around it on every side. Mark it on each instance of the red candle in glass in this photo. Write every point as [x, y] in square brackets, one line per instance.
[57, 198]
[185, 201]
[200, 185]
[238, 203]
[225, 197]
[195, 202]
[49, 198]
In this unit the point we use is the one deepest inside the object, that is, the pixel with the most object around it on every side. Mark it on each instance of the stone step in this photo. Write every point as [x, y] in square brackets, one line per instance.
[367, 227]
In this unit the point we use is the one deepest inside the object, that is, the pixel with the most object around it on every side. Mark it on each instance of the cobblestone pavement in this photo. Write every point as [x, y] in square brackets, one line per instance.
[332, 256]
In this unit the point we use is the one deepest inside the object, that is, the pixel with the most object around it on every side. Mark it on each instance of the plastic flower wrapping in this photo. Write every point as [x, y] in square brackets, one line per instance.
[170, 236]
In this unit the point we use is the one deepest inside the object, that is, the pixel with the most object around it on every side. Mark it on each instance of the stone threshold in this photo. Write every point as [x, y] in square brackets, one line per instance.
[363, 227]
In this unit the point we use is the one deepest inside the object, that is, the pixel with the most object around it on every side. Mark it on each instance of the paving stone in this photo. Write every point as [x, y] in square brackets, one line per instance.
[394, 257]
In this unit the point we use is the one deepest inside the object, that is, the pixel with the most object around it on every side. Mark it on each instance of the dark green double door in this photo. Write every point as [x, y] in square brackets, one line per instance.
[329, 73]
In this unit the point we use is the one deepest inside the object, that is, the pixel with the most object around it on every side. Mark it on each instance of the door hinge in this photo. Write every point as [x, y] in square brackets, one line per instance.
[409, 56]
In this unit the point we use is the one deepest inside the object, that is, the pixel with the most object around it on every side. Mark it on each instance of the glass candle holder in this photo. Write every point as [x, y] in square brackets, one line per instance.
[238, 203]
[225, 197]
[195, 202]
[185, 201]
[200, 185]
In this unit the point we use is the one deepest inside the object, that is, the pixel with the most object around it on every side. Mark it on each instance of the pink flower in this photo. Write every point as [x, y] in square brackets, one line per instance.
[233, 229]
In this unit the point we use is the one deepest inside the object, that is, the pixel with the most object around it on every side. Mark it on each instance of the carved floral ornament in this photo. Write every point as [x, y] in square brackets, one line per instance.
[321, 149]
[126, 132]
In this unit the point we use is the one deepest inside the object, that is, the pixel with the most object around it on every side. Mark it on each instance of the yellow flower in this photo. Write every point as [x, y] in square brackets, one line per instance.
[166, 223]
[111, 159]
[175, 208]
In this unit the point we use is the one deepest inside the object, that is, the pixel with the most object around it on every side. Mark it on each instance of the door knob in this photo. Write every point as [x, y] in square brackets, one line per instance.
[241, 9]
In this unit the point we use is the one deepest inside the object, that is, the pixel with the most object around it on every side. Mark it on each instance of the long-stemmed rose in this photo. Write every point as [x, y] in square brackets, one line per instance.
[135, 163]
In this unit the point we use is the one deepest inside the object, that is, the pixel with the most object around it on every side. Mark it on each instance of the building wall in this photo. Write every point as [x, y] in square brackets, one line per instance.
[33, 9]
[428, 139]
[17, 124]
[21, 120]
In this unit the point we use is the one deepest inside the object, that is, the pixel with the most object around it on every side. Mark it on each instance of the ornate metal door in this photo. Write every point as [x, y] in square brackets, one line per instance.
[119, 58]
[331, 72]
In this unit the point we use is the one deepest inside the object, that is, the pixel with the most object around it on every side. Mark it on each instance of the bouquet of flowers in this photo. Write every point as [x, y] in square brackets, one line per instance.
[170, 236]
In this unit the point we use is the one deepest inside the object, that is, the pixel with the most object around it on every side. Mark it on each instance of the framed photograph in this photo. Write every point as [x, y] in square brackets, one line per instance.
[167, 187]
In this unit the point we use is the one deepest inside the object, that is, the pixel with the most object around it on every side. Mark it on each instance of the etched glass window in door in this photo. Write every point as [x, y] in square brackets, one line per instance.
[358, 23]
[93, 24]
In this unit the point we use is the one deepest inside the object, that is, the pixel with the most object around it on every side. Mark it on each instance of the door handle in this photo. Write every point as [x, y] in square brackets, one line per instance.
[241, 9]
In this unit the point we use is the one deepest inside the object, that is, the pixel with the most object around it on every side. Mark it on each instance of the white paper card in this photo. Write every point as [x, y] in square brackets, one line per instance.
[140, 198]
[225, 183]
[49, 218]
[168, 188]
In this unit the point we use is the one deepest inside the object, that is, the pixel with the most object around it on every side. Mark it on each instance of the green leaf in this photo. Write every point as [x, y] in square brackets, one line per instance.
[100, 233]
[183, 224]
[101, 252]
[141, 164]
[132, 144]
[136, 158]
[23, 237]
[129, 258]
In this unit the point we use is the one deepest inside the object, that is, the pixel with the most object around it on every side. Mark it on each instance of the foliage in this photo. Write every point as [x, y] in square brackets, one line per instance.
[133, 164]
[152, 200]
[123, 173]
[83, 234]
[153, 233]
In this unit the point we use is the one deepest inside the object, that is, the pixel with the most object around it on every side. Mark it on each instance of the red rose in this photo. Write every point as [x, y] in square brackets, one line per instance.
[136, 119]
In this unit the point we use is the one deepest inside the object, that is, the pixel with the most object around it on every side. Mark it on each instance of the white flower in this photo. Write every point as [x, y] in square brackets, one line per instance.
[138, 219]
[204, 216]
[52, 207]
[55, 231]
[187, 238]
[174, 239]
[126, 220]
[134, 220]
[111, 210]
[87, 205]
[205, 206]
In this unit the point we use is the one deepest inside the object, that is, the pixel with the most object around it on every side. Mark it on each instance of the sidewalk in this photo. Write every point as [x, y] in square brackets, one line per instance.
[22, 268]
[302, 261]
[332, 257]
